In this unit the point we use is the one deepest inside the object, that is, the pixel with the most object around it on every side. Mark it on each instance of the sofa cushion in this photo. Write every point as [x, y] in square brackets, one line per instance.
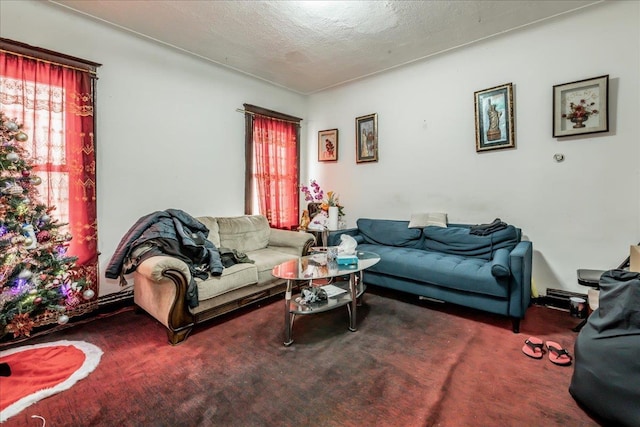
[233, 277]
[265, 260]
[456, 240]
[449, 271]
[389, 232]
[244, 233]
[214, 232]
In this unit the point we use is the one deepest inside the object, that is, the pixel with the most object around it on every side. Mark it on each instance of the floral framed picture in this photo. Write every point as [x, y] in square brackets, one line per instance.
[581, 107]
[494, 118]
[367, 138]
[328, 145]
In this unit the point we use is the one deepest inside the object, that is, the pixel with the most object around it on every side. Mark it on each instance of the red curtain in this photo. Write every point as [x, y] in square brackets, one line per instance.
[275, 151]
[55, 105]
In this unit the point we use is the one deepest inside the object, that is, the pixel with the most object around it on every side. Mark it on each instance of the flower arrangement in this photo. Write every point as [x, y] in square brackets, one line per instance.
[313, 193]
[581, 111]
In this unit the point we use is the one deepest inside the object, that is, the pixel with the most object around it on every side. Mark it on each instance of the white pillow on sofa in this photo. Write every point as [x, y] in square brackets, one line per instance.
[421, 220]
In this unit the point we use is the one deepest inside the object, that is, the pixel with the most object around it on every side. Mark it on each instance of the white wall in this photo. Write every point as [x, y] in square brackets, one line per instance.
[581, 213]
[168, 135]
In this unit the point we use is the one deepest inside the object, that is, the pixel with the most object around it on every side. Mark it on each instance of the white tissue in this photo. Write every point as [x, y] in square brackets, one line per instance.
[347, 245]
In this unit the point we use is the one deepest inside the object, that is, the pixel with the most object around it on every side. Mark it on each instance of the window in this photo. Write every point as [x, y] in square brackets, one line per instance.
[272, 157]
[52, 96]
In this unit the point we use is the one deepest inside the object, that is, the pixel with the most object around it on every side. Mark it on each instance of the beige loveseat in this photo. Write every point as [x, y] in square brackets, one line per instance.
[160, 282]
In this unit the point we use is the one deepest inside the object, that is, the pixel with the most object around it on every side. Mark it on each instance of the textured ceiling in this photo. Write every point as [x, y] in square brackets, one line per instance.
[308, 46]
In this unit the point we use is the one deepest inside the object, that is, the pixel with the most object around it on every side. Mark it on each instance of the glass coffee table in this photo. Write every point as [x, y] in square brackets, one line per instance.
[316, 267]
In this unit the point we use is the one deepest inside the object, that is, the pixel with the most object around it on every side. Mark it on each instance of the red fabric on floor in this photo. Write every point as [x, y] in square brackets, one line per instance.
[36, 369]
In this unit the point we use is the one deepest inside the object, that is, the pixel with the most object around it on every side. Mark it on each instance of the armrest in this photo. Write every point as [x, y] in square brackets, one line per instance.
[521, 261]
[294, 242]
[500, 263]
[160, 288]
[334, 236]
[154, 268]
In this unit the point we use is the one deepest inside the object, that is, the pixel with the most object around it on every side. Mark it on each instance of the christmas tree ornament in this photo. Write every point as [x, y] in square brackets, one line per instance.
[30, 241]
[25, 274]
[88, 294]
[36, 180]
[12, 189]
[26, 173]
[22, 209]
[63, 319]
[13, 156]
[43, 236]
[12, 126]
[21, 136]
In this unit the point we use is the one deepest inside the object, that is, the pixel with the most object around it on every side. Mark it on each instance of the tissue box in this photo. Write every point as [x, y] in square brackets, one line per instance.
[347, 259]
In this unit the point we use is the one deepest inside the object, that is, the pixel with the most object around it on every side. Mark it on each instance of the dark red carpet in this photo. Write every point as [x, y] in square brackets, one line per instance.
[410, 364]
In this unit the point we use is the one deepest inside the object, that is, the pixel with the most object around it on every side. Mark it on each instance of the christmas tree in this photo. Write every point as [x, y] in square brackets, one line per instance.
[39, 281]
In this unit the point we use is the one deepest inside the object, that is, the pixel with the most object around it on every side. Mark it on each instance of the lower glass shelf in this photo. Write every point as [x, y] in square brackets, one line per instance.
[330, 303]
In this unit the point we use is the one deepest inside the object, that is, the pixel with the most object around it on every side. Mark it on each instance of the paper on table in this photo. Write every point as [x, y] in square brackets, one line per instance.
[333, 290]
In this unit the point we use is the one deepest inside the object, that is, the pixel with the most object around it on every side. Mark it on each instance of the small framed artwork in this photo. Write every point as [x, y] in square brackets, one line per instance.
[367, 138]
[328, 145]
[581, 107]
[494, 118]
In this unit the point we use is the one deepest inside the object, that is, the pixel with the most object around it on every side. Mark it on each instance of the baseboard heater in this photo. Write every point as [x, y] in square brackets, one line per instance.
[116, 300]
[559, 299]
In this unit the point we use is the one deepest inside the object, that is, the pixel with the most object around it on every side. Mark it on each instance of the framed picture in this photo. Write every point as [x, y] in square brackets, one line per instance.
[494, 118]
[581, 107]
[367, 138]
[328, 145]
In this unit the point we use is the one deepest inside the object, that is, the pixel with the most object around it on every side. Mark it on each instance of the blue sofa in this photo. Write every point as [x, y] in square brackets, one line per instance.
[490, 273]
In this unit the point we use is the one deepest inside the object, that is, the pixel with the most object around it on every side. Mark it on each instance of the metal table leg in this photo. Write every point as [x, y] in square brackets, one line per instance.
[288, 317]
[354, 303]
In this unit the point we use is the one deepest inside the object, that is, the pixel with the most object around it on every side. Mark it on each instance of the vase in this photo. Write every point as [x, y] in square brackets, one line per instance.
[579, 121]
[333, 218]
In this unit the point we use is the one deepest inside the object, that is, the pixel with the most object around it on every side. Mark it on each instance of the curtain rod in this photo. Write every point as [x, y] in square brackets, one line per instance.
[240, 110]
[94, 73]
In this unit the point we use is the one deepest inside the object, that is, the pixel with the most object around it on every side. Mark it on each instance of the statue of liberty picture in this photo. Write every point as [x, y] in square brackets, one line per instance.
[494, 118]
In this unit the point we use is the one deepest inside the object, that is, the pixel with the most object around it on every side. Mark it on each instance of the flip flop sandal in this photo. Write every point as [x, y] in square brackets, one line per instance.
[558, 355]
[533, 347]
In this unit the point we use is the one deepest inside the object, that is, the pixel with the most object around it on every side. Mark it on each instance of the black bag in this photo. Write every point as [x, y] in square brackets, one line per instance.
[606, 378]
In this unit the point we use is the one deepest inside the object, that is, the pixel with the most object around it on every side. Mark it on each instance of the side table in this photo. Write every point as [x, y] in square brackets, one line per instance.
[318, 234]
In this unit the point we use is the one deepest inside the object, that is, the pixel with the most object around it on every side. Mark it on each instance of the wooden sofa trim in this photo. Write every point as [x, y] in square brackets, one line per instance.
[181, 320]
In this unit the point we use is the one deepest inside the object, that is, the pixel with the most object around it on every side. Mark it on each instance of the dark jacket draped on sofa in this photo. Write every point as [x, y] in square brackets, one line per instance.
[170, 232]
